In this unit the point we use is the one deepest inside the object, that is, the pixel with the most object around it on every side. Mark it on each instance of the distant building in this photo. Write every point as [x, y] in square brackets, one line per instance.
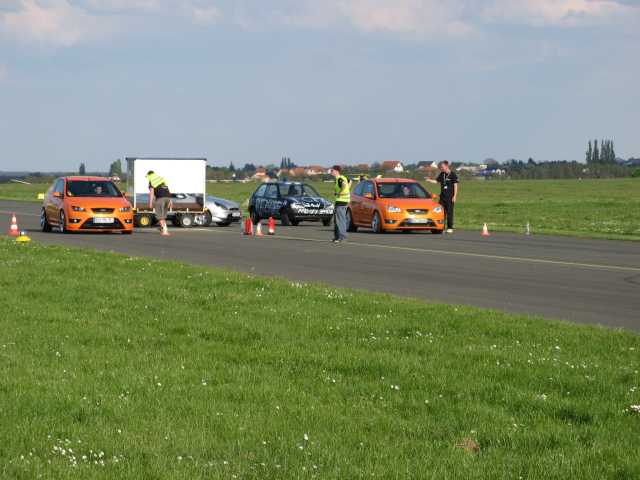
[297, 172]
[260, 174]
[364, 167]
[393, 166]
[314, 170]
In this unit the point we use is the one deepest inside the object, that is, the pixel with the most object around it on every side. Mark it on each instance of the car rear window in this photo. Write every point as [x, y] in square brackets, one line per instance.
[92, 188]
[402, 190]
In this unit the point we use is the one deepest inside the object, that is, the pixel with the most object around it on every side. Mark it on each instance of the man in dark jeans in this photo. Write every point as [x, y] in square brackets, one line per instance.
[342, 199]
[448, 181]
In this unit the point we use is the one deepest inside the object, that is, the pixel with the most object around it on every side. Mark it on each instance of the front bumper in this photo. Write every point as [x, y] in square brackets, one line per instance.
[405, 221]
[89, 222]
[304, 214]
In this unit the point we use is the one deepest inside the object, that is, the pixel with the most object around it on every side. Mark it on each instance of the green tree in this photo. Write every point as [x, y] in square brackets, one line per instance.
[83, 169]
[589, 154]
[115, 169]
[232, 168]
[596, 152]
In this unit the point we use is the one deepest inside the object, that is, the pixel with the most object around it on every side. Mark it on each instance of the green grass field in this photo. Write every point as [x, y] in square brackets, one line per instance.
[586, 208]
[116, 367]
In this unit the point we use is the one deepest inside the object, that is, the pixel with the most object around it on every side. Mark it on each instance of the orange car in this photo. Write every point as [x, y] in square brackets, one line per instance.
[86, 204]
[389, 204]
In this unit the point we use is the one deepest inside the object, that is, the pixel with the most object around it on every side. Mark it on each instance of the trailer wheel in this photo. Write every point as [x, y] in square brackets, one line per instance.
[185, 220]
[143, 220]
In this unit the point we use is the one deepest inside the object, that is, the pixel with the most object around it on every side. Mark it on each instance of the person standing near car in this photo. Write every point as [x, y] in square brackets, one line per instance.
[342, 199]
[159, 199]
[448, 181]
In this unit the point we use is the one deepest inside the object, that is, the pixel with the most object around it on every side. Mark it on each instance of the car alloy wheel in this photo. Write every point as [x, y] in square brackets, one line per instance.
[376, 223]
[62, 222]
[44, 223]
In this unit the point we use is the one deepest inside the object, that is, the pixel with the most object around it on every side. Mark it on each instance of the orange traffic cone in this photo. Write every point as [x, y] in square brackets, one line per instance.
[259, 230]
[272, 226]
[485, 230]
[14, 231]
[248, 227]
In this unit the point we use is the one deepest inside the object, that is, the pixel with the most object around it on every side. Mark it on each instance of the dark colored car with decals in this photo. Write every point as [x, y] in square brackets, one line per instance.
[291, 202]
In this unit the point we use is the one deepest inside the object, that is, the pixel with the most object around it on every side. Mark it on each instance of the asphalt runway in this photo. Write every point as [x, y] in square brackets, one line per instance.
[586, 281]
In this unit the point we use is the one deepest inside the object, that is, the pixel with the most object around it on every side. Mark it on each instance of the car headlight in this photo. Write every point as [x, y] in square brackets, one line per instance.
[392, 209]
[437, 210]
[124, 209]
[295, 206]
[78, 209]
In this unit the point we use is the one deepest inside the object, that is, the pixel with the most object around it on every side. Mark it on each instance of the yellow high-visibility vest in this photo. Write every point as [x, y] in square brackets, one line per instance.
[343, 194]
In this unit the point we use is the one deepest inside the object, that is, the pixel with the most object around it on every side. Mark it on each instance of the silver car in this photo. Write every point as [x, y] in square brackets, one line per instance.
[219, 211]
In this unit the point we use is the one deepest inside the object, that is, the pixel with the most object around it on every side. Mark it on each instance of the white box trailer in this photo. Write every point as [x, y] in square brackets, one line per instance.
[186, 179]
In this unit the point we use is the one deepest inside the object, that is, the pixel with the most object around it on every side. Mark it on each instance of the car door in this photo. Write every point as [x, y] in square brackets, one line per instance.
[368, 205]
[355, 204]
[55, 203]
[271, 201]
[258, 199]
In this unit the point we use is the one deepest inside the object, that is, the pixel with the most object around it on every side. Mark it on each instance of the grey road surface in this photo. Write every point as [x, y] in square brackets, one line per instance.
[587, 281]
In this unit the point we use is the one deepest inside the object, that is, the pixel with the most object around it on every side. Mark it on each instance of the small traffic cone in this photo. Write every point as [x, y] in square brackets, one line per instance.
[23, 237]
[272, 226]
[13, 228]
[485, 230]
[259, 230]
[248, 227]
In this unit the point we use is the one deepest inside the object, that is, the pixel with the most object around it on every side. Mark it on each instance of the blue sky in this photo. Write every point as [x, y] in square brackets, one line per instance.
[320, 81]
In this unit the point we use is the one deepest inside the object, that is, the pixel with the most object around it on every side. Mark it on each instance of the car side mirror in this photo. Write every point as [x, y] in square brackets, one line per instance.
[369, 196]
[57, 194]
[435, 196]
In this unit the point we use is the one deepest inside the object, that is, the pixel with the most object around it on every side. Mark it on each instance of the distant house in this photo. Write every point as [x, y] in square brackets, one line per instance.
[393, 166]
[363, 167]
[315, 170]
[260, 174]
[297, 172]
[426, 166]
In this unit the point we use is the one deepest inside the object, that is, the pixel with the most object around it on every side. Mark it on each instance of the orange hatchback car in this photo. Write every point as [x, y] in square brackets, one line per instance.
[86, 204]
[389, 204]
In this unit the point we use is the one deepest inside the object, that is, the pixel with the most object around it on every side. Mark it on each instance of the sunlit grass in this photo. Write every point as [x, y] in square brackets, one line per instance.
[119, 367]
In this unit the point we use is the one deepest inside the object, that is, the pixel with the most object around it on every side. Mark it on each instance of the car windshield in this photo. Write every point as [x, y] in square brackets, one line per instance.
[298, 190]
[402, 190]
[95, 188]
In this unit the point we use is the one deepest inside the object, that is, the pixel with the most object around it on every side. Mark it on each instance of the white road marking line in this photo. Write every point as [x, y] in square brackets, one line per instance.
[18, 214]
[459, 254]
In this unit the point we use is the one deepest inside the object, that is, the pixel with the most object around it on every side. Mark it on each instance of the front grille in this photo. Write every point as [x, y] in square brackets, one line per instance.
[116, 225]
[418, 211]
[429, 224]
[102, 210]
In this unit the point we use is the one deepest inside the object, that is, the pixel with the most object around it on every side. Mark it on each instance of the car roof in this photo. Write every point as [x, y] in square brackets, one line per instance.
[87, 179]
[394, 180]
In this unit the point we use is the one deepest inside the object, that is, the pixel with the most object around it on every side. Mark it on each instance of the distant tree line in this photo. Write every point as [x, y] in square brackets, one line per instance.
[605, 154]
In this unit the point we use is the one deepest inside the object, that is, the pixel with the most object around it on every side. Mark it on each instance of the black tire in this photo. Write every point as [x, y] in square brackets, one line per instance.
[255, 218]
[44, 223]
[376, 223]
[127, 232]
[185, 220]
[294, 223]
[223, 224]
[202, 219]
[326, 222]
[284, 218]
[62, 222]
[351, 227]
[143, 220]
[437, 232]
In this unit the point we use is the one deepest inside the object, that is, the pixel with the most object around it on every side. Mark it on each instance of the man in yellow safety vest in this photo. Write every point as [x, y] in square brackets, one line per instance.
[159, 199]
[342, 199]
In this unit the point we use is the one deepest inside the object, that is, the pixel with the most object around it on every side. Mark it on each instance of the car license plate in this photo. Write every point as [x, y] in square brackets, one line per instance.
[103, 220]
[418, 220]
[235, 214]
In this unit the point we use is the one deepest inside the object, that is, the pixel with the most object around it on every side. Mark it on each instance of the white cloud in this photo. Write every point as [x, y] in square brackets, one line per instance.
[56, 22]
[69, 22]
[566, 13]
